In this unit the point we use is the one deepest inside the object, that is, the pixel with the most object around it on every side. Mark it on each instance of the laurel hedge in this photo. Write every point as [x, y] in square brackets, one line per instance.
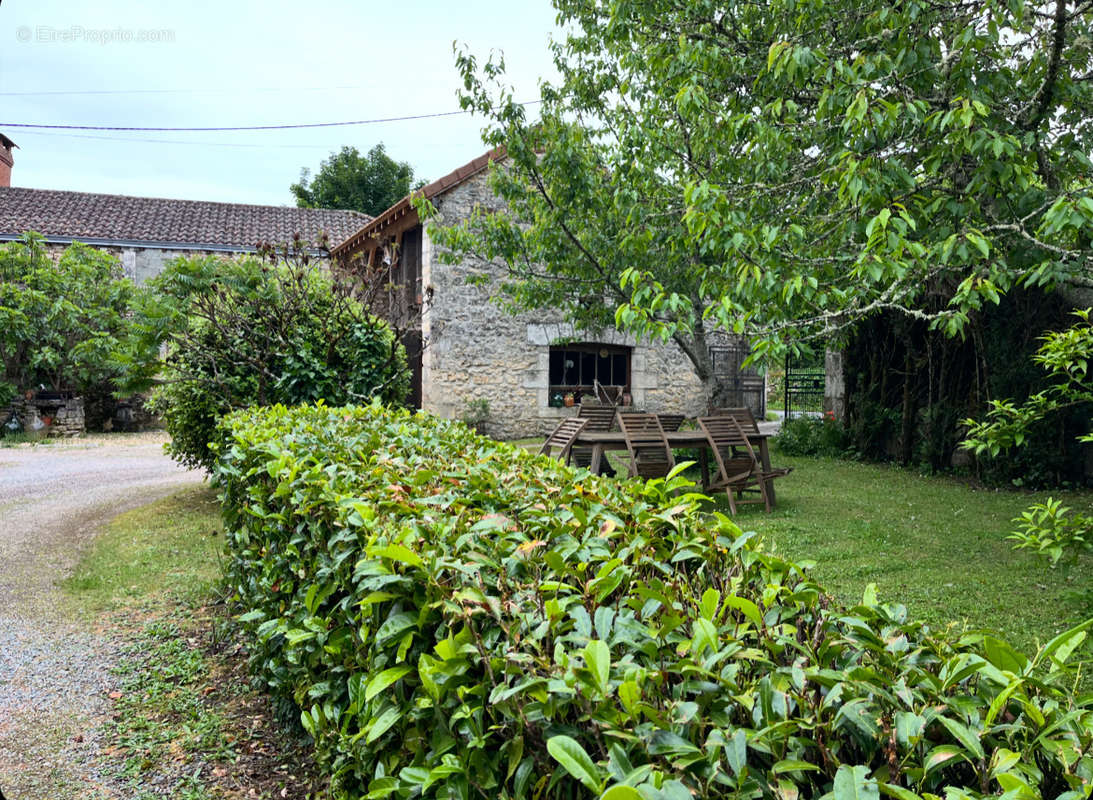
[457, 618]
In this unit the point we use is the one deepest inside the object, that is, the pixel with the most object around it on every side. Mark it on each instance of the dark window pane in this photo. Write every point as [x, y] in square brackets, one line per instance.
[603, 370]
[620, 369]
[583, 364]
[588, 368]
[557, 358]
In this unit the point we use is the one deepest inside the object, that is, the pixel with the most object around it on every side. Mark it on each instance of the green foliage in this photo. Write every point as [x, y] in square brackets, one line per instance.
[458, 618]
[909, 389]
[782, 168]
[1065, 355]
[476, 413]
[346, 180]
[61, 322]
[813, 436]
[248, 332]
[1049, 529]
[8, 392]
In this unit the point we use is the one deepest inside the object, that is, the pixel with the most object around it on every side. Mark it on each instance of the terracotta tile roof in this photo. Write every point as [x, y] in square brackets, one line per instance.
[99, 218]
[403, 206]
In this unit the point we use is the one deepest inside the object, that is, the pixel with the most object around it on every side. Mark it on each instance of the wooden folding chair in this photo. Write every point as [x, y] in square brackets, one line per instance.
[650, 454]
[746, 420]
[671, 422]
[562, 437]
[600, 417]
[743, 416]
[738, 470]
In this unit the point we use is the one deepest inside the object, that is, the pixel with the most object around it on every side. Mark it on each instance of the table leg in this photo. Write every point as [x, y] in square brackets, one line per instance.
[704, 465]
[597, 457]
[764, 460]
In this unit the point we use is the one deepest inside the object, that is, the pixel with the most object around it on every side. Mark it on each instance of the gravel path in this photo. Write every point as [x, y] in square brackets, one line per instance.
[55, 673]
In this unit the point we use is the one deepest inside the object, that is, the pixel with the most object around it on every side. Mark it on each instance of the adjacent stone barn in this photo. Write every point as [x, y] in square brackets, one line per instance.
[147, 232]
[526, 366]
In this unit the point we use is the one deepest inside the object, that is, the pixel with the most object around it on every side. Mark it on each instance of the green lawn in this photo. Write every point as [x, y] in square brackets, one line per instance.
[932, 543]
[166, 550]
[184, 718]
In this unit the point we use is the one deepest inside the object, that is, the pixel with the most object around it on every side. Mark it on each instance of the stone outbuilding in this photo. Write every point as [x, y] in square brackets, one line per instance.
[467, 351]
[147, 232]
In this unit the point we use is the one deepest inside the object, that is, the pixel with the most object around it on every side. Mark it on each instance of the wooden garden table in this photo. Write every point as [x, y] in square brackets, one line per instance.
[602, 441]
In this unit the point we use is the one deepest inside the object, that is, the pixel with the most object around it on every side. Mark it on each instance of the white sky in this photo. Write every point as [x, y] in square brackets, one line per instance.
[247, 62]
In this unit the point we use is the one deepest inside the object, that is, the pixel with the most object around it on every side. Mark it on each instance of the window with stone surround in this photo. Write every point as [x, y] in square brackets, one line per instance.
[575, 369]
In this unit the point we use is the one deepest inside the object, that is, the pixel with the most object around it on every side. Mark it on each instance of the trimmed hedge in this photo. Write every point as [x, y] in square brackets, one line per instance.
[458, 618]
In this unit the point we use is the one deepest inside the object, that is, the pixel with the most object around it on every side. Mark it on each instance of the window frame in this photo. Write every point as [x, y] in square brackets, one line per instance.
[587, 357]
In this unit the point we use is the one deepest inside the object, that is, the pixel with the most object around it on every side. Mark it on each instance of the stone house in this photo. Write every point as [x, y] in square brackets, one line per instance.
[522, 365]
[146, 232]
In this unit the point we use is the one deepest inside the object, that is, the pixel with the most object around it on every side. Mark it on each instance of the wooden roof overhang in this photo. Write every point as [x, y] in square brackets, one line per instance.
[402, 216]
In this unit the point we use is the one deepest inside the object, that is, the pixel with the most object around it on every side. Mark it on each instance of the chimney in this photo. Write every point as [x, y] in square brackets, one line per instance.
[6, 160]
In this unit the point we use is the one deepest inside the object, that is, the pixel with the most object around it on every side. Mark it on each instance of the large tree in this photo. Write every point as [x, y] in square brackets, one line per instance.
[350, 181]
[784, 168]
[62, 321]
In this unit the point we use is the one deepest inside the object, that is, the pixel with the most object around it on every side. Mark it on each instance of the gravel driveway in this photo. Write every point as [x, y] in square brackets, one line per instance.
[55, 673]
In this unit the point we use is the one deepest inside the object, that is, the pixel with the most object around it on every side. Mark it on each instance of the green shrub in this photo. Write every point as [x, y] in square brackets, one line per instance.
[458, 618]
[249, 332]
[812, 436]
[61, 321]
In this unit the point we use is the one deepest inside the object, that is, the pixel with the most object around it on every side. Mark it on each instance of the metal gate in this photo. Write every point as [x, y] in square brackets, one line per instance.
[744, 385]
[804, 385]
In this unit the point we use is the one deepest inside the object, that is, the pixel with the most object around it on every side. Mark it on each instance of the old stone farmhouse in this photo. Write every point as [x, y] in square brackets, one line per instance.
[524, 365]
[146, 232]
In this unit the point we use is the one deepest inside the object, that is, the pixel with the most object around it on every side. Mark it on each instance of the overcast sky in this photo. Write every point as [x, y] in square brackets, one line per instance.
[246, 62]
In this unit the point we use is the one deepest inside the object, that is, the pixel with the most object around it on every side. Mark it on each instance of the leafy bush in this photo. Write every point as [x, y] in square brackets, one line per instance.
[248, 332]
[60, 321]
[813, 436]
[476, 413]
[458, 618]
[1047, 529]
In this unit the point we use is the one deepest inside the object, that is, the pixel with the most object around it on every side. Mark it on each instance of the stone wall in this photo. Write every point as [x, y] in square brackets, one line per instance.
[140, 264]
[835, 385]
[61, 417]
[478, 350]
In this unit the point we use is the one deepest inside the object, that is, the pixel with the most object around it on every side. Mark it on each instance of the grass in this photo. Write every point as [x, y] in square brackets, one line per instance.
[935, 544]
[167, 551]
[18, 439]
[185, 719]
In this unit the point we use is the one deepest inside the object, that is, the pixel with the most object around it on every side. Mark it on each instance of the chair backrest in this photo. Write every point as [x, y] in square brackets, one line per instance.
[563, 437]
[600, 416]
[724, 432]
[671, 422]
[738, 471]
[743, 416]
[650, 454]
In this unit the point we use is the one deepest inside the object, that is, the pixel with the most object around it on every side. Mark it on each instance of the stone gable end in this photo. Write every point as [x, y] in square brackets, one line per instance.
[477, 350]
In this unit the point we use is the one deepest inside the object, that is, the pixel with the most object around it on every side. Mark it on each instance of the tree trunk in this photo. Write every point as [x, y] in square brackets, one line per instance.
[907, 426]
